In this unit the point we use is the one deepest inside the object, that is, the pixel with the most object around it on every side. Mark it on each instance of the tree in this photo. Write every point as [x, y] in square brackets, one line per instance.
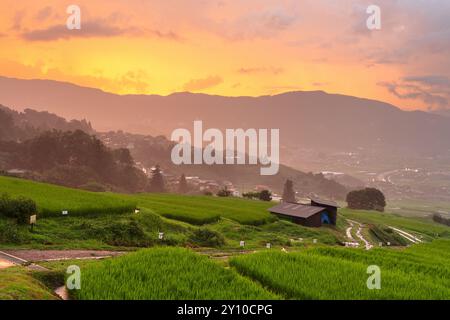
[183, 186]
[157, 180]
[288, 192]
[224, 192]
[6, 125]
[440, 219]
[366, 199]
[251, 195]
[265, 195]
[123, 157]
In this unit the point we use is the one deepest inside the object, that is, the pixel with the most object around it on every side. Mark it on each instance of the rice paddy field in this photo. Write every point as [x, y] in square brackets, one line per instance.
[420, 272]
[51, 200]
[316, 267]
[205, 209]
[197, 210]
[419, 225]
[165, 274]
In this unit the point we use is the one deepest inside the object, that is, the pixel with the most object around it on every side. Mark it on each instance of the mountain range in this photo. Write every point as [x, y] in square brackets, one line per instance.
[306, 119]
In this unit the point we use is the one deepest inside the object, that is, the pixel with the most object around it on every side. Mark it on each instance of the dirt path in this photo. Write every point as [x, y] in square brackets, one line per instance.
[8, 260]
[222, 255]
[54, 255]
[11, 258]
[359, 235]
[349, 231]
[5, 264]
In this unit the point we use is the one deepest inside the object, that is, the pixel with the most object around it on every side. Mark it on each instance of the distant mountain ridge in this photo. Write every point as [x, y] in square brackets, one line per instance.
[443, 112]
[306, 119]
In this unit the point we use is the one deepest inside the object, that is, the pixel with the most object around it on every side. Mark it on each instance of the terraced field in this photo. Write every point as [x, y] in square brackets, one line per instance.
[311, 270]
[205, 209]
[422, 226]
[198, 210]
[52, 200]
[417, 273]
[169, 273]
[18, 284]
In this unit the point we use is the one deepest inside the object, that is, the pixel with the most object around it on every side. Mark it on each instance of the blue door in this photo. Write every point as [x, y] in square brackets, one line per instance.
[325, 218]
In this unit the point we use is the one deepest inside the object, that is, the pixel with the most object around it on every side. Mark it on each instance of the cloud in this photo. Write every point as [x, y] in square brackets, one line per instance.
[320, 84]
[433, 90]
[201, 84]
[262, 24]
[282, 88]
[115, 24]
[166, 35]
[93, 29]
[18, 19]
[43, 14]
[271, 70]
[134, 81]
[433, 80]
[58, 32]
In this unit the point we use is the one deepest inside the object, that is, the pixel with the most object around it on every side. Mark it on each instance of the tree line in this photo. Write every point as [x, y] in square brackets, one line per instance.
[76, 159]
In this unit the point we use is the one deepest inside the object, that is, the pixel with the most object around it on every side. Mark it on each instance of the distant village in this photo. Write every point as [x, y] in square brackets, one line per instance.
[197, 185]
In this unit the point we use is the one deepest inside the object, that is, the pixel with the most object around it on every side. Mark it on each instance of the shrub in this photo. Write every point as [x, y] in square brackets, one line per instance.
[207, 238]
[20, 208]
[224, 192]
[10, 233]
[265, 195]
[251, 195]
[128, 234]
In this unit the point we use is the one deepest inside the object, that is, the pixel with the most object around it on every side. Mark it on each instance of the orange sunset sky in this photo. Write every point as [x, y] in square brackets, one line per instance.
[231, 47]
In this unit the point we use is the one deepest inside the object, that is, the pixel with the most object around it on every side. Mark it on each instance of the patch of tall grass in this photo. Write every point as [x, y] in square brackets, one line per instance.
[165, 274]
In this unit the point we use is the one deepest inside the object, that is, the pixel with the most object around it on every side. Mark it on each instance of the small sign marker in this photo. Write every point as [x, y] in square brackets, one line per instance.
[33, 219]
[242, 243]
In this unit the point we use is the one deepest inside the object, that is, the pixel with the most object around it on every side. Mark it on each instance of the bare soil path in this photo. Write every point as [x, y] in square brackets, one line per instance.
[359, 234]
[53, 255]
[5, 264]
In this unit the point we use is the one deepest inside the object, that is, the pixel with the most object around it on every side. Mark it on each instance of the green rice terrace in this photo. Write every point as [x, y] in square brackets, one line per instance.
[205, 247]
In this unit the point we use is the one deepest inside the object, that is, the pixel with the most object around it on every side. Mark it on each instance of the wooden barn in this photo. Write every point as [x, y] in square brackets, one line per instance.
[315, 214]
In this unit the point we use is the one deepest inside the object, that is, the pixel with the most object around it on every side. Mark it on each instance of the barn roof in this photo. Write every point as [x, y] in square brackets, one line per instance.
[296, 210]
[323, 202]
